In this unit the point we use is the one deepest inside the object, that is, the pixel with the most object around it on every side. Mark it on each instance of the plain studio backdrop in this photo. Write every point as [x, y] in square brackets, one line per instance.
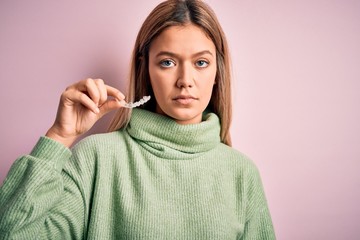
[296, 91]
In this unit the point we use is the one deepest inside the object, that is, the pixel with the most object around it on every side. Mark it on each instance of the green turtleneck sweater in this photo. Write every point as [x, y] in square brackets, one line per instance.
[155, 179]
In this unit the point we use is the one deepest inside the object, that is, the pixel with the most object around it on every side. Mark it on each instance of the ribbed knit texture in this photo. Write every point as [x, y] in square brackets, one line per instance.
[154, 180]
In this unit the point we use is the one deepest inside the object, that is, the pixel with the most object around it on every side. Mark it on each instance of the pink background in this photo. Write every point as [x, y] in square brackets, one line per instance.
[296, 92]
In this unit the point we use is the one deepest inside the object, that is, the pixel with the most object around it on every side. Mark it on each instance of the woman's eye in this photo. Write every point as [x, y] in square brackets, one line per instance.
[167, 63]
[202, 63]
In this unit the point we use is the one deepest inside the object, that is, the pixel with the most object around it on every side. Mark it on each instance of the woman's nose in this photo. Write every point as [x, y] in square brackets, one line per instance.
[185, 77]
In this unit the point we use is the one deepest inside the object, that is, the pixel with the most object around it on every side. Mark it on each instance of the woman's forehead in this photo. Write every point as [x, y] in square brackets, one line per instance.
[188, 39]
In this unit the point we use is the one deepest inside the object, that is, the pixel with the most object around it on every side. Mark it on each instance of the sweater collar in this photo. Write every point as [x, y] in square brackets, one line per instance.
[164, 137]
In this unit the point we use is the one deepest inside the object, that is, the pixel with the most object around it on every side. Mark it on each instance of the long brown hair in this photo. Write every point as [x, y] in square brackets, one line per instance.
[175, 13]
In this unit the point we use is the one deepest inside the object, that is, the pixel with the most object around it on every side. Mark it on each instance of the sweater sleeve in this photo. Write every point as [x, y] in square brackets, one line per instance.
[258, 225]
[38, 200]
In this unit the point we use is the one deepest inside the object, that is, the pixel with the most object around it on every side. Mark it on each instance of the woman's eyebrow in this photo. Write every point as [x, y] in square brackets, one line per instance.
[171, 54]
[203, 53]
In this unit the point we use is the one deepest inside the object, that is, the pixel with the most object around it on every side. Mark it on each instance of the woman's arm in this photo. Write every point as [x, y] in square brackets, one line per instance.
[258, 225]
[39, 199]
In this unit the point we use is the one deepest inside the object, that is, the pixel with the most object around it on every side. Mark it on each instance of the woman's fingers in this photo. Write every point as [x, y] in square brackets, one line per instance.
[111, 91]
[89, 87]
[93, 94]
[74, 96]
[102, 91]
[81, 105]
[98, 91]
[109, 105]
[113, 103]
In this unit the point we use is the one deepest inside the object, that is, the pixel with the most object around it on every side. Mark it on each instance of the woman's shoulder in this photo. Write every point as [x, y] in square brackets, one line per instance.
[88, 152]
[99, 141]
[238, 160]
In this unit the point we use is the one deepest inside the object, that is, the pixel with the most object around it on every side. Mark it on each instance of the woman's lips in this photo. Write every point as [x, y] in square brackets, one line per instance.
[184, 99]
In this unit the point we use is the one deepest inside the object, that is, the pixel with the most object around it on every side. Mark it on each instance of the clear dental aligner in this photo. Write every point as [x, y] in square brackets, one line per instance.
[138, 103]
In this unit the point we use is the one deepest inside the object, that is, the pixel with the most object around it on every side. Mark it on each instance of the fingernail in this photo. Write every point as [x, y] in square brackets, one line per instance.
[121, 96]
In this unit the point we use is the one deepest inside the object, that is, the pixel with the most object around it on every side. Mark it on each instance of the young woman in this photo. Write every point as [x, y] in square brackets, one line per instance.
[165, 170]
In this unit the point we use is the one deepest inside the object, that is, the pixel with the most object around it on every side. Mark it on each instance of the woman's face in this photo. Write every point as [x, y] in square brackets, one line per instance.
[182, 68]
